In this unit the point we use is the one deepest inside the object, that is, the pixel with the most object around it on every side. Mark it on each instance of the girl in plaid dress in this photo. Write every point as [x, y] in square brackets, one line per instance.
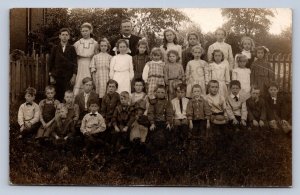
[154, 72]
[100, 68]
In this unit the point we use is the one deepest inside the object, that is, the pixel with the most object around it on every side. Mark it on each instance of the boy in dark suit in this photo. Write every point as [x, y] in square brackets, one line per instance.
[63, 65]
[126, 30]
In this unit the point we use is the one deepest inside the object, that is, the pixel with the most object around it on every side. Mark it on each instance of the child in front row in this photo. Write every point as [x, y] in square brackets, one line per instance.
[236, 106]
[28, 114]
[48, 108]
[256, 109]
[198, 113]
[92, 125]
[160, 115]
[180, 119]
[278, 108]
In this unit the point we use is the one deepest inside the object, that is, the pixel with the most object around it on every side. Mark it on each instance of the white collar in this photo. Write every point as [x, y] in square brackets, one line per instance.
[128, 37]
[238, 95]
[160, 61]
[245, 51]
[274, 98]
[86, 94]
[97, 113]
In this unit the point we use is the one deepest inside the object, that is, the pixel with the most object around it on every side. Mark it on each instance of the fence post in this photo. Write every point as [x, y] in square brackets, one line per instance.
[36, 61]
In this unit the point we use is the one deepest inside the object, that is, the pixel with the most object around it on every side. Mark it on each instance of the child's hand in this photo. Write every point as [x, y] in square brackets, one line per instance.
[273, 124]
[22, 128]
[261, 123]
[235, 122]
[152, 127]
[28, 124]
[255, 123]
[73, 79]
[125, 129]
[243, 122]
[168, 127]
[117, 129]
[283, 122]
[57, 137]
[52, 80]
[191, 126]
[66, 137]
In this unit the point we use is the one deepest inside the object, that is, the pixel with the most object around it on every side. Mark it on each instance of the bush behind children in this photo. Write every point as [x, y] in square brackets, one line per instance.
[123, 99]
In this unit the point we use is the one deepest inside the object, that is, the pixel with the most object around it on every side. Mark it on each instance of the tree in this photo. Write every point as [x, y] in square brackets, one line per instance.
[247, 21]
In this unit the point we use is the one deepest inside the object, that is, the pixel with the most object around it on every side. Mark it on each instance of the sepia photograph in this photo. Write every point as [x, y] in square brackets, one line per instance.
[198, 97]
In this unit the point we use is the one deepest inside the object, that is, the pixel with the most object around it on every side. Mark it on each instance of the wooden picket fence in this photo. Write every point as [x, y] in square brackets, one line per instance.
[33, 71]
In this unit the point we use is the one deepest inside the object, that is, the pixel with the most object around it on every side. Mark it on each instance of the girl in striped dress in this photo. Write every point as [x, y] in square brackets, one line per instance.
[154, 72]
[100, 68]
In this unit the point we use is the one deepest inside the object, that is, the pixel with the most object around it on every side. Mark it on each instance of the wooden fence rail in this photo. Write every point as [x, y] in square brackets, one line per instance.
[33, 71]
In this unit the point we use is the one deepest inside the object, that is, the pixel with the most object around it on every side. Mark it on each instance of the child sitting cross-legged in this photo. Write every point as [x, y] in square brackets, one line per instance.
[92, 126]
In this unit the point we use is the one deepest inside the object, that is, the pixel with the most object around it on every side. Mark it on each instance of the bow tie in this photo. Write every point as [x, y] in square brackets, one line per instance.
[28, 104]
[93, 114]
[236, 98]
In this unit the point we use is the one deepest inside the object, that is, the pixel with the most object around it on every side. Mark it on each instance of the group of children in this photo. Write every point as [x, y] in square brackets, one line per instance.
[168, 96]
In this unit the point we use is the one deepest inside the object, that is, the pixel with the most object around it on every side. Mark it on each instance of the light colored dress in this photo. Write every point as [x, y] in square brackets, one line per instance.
[225, 48]
[196, 73]
[121, 70]
[100, 65]
[171, 46]
[243, 75]
[85, 49]
[220, 72]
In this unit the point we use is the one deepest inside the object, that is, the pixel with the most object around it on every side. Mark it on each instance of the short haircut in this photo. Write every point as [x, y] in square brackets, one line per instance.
[254, 87]
[239, 57]
[87, 25]
[192, 33]
[180, 87]
[159, 87]
[156, 51]
[235, 82]
[49, 87]
[125, 21]
[111, 81]
[198, 47]
[213, 81]
[64, 30]
[273, 84]
[145, 43]
[69, 92]
[87, 79]
[196, 86]
[121, 41]
[106, 41]
[124, 94]
[175, 53]
[31, 91]
[139, 80]
[216, 51]
[221, 29]
[94, 102]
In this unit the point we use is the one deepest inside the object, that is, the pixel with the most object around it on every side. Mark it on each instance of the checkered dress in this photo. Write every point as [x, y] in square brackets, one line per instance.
[156, 75]
[100, 66]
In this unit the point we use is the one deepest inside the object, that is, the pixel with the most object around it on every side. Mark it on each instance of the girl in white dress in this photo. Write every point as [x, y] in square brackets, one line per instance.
[170, 42]
[242, 74]
[86, 48]
[219, 70]
[121, 67]
[221, 45]
[196, 71]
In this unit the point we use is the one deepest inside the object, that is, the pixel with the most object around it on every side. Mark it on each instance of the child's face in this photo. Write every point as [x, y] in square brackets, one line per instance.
[69, 97]
[193, 40]
[235, 89]
[273, 91]
[255, 93]
[172, 58]
[142, 49]
[260, 54]
[63, 113]
[124, 100]
[50, 93]
[160, 93]
[111, 88]
[156, 57]
[197, 53]
[140, 112]
[94, 108]
[242, 62]
[29, 98]
[138, 87]
[169, 36]
[180, 93]
[64, 37]
[213, 88]
[103, 46]
[196, 92]
[220, 35]
[247, 45]
[122, 48]
[87, 87]
[218, 57]
[85, 32]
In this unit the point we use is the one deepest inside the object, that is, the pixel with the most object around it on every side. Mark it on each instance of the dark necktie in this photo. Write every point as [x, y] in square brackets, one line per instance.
[93, 114]
[236, 98]
[28, 104]
[180, 104]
